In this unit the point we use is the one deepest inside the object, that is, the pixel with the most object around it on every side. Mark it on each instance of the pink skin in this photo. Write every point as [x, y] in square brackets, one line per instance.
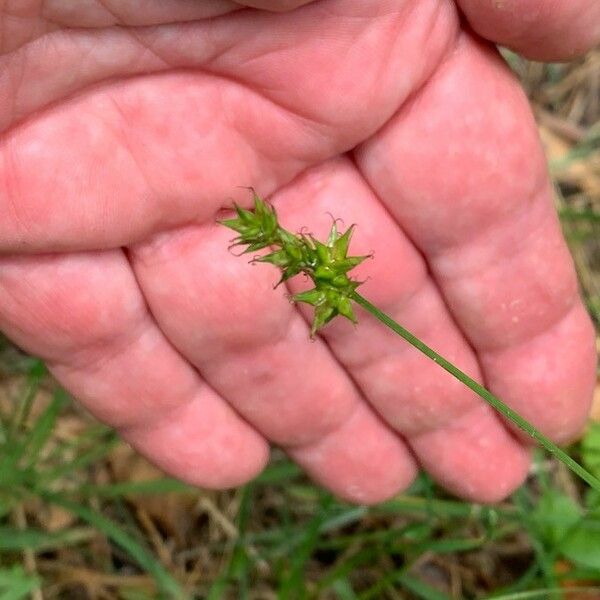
[119, 146]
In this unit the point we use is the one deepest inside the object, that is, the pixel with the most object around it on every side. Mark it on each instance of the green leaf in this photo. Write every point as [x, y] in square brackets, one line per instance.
[567, 530]
[590, 448]
[15, 584]
[555, 515]
[582, 545]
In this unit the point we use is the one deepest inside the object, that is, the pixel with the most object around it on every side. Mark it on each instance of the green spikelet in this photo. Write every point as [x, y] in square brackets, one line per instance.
[327, 264]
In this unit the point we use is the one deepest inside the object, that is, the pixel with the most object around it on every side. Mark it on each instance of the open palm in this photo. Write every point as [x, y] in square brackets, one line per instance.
[126, 127]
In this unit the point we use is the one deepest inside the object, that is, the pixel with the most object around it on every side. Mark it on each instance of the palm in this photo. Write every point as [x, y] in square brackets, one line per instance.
[134, 137]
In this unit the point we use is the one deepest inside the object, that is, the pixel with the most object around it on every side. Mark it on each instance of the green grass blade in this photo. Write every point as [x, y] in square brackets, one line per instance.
[12, 539]
[164, 485]
[343, 590]
[236, 571]
[420, 588]
[482, 392]
[15, 584]
[165, 582]
[279, 472]
[81, 461]
[43, 428]
[571, 214]
[23, 408]
[292, 584]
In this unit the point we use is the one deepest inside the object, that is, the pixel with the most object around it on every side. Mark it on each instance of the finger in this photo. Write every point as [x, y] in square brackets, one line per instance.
[360, 461]
[253, 347]
[269, 53]
[276, 5]
[58, 20]
[48, 53]
[125, 159]
[539, 29]
[456, 438]
[83, 314]
[132, 167]
[462, 171]
[108, 13]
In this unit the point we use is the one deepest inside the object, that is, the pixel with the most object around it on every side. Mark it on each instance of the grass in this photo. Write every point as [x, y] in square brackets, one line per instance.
[278, 537]
[82, 517]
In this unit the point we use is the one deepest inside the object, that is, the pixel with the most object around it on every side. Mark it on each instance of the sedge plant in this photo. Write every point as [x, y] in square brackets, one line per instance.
[327, 264]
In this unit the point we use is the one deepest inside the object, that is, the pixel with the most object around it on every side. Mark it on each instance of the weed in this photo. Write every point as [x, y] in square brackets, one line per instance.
[327, 264]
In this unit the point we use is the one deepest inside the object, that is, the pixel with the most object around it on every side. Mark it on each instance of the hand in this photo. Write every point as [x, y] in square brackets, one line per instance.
[125, 131]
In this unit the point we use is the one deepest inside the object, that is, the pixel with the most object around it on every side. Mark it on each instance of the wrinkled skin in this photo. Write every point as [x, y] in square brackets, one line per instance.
[127, 126]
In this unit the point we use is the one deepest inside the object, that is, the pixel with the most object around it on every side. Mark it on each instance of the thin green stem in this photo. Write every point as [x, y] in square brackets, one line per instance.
[494, 401]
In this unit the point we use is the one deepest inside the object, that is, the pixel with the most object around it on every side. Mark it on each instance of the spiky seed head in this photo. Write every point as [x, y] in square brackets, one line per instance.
[327, 264]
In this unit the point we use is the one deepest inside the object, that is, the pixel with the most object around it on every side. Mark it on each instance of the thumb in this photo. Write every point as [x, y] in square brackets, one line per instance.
[539, 29]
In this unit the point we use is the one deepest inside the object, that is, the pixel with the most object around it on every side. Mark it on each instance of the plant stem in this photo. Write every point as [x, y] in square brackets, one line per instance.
[494, 401]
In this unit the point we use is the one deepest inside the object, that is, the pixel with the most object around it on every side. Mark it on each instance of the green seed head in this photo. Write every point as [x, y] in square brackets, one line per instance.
[327, 264]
